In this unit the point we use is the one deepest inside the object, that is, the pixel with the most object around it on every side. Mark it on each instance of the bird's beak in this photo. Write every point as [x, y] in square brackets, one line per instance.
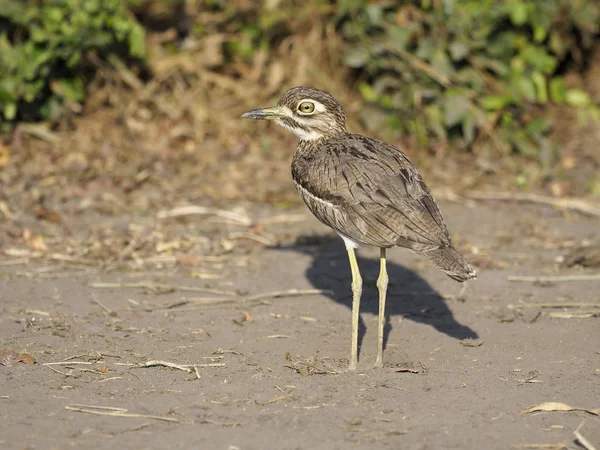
[271, 113]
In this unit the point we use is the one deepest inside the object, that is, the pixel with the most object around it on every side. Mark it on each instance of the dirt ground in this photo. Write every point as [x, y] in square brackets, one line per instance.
[460, 366]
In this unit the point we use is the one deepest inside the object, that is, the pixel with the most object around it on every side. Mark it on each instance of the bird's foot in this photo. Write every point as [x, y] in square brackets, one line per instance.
[378, 363]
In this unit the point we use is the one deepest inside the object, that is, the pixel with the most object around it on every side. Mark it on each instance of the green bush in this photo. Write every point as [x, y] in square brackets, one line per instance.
[456, 68]
[44, 49]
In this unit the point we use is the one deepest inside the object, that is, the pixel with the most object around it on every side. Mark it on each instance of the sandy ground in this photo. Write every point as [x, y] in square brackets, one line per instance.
[271, 369]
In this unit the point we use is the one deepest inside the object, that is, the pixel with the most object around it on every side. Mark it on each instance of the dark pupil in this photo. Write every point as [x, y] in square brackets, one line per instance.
[306, 107]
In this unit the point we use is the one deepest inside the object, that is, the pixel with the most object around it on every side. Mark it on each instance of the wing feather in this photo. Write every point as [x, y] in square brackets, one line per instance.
[374, 194]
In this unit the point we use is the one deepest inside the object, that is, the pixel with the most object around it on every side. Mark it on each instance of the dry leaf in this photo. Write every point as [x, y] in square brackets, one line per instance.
[43, 213]
[554, 406]
[4, 156]
[471, 343]
[34, 241]
[409, 367]
[26, 358]
[10, 358]
[37, 243]
[188, 260]
[245, 318]
[408, 370]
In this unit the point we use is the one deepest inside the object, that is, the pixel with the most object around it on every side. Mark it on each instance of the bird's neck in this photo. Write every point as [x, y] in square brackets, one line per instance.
[314, 138]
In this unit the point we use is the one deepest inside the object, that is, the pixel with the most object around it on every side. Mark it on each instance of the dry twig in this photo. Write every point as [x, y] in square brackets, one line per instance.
[582, 439]
[558, 278]
[191, 210]
[159, 288]
[116, 412]
[574, 204]
[189, 368]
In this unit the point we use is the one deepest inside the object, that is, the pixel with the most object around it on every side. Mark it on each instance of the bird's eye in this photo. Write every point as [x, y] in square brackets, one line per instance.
[306, 107]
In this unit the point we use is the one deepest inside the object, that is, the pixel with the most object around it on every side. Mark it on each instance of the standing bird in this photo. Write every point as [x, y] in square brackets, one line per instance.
[369, 192]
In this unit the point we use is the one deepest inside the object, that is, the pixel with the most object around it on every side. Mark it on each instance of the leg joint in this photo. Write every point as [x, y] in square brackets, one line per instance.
[382, 282]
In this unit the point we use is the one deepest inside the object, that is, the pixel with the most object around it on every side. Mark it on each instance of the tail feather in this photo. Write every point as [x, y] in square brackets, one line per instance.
[452, 263]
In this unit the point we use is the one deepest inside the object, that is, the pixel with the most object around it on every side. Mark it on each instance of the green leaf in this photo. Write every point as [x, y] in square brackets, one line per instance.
[367, 92]
[70, 89]
[137, 44]
[524, 144]
[10, 111]
[576, 97]
[6, 95]
[494, 102]
[540, 59]
[469, 125]
[557, 90]
[434, 116]
[440, 60]
[518, 13]
[526, 88]
[456, 107]
[538, 126]
[357, 57]
[539, 33]
[458, 50]
[541, 87]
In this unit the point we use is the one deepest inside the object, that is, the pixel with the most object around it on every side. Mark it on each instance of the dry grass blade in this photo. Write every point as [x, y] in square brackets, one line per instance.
[185, 367]
[541, 446]
[288, 293]
[556, 406]
[116, 412]
[221, 424]
[192, 210]
[582, 439]
[569, 315]
[574, 204]
[471, 343]
[252, 299]
[556, 305]
[159, 288]
[37, 312]
[67, 363]
[154, 363]
[14, 262]
[542, 279]
[281, 398]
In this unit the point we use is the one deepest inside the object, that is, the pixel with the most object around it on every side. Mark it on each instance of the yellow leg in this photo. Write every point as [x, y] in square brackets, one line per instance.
[356, 293]
[382, 283]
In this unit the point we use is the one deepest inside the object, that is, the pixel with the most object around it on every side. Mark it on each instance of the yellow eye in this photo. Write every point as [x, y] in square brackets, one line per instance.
[306, 107]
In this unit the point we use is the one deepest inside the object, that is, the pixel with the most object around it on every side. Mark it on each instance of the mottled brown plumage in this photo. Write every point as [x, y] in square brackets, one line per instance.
[370, 192]
[366, 190]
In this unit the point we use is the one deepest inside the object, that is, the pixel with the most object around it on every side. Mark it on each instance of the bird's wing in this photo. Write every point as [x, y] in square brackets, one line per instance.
[372, 193]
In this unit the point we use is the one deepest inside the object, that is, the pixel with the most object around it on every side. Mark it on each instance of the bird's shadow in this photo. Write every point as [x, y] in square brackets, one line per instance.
[408, 294]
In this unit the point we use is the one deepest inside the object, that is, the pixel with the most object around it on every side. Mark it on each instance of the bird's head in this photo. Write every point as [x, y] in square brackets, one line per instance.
[309, 113]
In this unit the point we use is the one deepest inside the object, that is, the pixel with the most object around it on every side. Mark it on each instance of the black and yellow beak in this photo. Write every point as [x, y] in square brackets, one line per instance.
[271, 113]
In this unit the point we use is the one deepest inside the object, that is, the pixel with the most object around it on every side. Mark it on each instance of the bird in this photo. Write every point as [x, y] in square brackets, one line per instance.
[368, 191]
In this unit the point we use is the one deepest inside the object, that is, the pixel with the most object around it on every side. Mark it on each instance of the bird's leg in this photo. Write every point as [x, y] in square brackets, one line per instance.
[356, 293]
[382, 283]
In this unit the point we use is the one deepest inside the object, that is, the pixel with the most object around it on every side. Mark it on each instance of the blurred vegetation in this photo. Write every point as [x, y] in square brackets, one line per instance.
[47, 49]
[459, 69]
[474, 73]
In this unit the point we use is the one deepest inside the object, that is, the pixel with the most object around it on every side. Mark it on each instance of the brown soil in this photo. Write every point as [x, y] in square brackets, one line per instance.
[281, 383]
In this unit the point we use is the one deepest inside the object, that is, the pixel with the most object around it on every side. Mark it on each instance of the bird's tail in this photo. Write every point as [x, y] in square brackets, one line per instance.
[452, 263]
